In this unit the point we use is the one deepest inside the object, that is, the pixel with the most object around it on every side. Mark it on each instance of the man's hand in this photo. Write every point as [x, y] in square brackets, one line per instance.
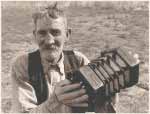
[71, 94]
[136, 56]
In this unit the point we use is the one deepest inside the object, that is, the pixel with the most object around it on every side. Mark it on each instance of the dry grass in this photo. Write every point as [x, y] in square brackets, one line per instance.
[94, 28]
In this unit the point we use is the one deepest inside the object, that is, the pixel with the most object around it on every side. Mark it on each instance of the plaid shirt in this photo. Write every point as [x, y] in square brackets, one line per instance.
[24, 97]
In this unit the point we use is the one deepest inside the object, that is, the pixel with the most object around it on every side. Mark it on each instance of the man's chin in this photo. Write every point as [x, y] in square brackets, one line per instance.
[51, 54]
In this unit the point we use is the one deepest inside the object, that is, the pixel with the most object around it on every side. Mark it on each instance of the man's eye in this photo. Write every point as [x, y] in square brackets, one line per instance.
[55, 32]
[42, 32]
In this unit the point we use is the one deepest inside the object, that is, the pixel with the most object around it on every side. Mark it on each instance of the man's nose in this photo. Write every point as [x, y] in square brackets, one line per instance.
[50, 39]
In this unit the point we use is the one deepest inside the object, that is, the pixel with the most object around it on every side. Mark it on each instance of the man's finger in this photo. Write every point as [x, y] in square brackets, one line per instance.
[72, 95]
[71, 87]
[64, 82]
[79, 105]
[136, 56]
[83, 98]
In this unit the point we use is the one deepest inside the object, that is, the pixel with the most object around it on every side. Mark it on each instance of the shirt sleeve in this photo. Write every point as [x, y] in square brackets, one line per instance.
[23, 94]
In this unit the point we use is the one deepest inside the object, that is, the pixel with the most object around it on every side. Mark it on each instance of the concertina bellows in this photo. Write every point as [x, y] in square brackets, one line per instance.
[114, 70]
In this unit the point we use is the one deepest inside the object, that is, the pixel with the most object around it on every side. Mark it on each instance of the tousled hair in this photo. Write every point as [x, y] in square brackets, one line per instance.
[52, 11]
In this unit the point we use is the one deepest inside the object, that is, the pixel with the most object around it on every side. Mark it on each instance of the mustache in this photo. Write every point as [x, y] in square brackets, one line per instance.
[50, 46]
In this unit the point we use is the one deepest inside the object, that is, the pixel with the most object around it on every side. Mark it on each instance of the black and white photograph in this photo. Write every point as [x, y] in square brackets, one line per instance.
[75, 56]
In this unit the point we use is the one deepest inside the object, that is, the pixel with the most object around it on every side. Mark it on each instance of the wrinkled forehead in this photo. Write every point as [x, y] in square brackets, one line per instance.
[50, 23]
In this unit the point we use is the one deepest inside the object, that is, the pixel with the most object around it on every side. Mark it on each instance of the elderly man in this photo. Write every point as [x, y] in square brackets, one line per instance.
[39, 78]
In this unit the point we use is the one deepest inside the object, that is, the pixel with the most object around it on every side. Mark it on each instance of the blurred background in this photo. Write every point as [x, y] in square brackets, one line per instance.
[95, 26]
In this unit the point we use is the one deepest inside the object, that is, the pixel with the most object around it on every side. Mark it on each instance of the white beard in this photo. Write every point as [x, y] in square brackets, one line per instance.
[51, 56]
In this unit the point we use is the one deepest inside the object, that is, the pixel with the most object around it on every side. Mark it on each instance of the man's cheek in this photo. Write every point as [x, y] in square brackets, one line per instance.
[57, 43]
[41, 42]
[60, 40]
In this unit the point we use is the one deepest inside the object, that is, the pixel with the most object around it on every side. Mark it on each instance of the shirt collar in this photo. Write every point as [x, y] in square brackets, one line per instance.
[61, 64]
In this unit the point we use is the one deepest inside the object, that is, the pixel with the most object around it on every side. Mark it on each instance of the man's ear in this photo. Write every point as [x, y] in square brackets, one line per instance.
[68, 33]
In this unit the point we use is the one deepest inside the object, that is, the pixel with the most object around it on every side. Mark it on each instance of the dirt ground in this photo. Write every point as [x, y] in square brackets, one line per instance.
[95, 26]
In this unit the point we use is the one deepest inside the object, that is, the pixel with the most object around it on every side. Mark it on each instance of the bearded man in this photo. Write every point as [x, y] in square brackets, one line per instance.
[39, 78]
